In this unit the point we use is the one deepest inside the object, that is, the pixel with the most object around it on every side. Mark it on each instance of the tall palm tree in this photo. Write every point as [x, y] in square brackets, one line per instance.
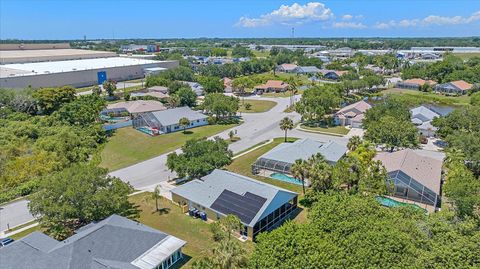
[156, 194]
[286, 124]
[299, 170]
[292, 88]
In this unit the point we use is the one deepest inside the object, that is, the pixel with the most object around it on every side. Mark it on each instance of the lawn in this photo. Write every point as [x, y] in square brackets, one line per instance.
[128, 146]
[171, 220]
[418, 97]
[466, 56]
[257, 106]
[26, 232]
[337, 130]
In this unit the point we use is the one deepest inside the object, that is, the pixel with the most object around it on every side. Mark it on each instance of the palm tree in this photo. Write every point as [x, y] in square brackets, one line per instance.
[229, 255]
[299, 170]
[354, 143]
[286, 124]
[184, 122]
[292, 88]
[156, 194]
[454, 155]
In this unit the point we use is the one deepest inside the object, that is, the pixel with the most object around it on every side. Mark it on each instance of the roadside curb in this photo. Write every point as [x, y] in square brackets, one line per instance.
[3, 234]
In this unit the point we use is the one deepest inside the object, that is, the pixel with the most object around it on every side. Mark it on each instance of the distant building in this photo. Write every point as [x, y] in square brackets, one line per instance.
[271, 86]
[422, 118]
[140, 48]
[115, 242]
[286, 68]
[352, 115]
[195, 86]
[167, 121]
[136, 107]
[277, 162]
[227, 84]
[332, 74]
[458, 87]
[414, 83]
[415, 178]
[260, 206]
[308, 70]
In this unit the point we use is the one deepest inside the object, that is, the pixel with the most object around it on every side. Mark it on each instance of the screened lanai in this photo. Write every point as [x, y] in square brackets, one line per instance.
[271, 165]
[407, 187]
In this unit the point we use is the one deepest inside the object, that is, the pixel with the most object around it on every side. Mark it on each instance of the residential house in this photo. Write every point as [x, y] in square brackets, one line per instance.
[415, 179]
[308, 70]
[286, 68]
[161, 89]
[414, 83]
[422, 118]
[195, 86]
[115, 242]
[352, 115]
[332, 74]
[271, 86]
[167, 121]
[458, 87]
[227, 84]
[277, 162]
[134, 108]
[259, 206]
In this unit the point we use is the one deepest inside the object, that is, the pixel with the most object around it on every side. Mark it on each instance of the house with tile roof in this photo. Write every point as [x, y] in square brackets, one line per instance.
[415, 178]
[113, 243]
[422, 117]
[259, 206]
[271, 86]
[136, 107]
[414, 83]
[308, 70]
[332, 74]
[457, 87]
[352, 115]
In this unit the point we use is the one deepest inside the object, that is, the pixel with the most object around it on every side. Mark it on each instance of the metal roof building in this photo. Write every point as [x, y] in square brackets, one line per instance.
[260, 206]
[282, 157]
[115, 242]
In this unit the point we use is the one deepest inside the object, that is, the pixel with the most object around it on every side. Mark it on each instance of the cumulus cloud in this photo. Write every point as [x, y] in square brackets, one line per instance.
[290, 15]
[354, 25]
[430, 20]
[347, 17]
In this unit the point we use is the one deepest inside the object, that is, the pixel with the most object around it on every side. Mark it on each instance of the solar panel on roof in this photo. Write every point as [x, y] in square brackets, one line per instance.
[243, 206]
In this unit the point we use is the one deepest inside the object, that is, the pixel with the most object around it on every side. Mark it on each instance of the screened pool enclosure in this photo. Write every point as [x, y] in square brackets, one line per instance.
[406, 187]
[271, 165]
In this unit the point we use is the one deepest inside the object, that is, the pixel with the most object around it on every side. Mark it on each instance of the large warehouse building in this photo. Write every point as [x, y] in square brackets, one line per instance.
[58, 65]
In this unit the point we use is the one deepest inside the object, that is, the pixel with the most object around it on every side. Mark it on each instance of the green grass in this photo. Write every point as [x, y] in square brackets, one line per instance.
[128, 146]
[339, 130]
[258, 106]
[26, 232]
[466, 56]
[261, 54]
[172, 221]
[414, 97]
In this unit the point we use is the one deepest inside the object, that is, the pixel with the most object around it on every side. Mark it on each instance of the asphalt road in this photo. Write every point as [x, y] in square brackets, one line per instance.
[14, 214]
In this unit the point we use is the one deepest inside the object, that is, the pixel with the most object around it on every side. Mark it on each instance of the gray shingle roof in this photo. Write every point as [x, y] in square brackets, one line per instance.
[172, 116]
[304, 149]
[423, 113]
[205, 191]
[112, 243]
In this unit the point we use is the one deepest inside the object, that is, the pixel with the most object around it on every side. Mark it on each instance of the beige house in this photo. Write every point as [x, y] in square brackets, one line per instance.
[352, 115]
[138, 106]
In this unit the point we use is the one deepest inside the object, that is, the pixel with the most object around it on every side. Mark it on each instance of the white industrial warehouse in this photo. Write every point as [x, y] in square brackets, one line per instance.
[50, 66]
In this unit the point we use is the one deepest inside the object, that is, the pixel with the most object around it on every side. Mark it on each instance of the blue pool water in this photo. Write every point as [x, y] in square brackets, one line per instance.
[285, 178]
[385, 201]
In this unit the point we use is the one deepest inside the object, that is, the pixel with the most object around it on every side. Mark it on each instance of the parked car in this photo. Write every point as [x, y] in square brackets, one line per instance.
[6, 241]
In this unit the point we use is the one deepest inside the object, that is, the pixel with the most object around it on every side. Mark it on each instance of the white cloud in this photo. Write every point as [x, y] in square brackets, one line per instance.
[347, 17]
[430, 20]
[290, 15]
[355, 25]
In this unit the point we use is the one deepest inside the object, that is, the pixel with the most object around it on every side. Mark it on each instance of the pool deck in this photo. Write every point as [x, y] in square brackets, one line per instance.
[429, 208]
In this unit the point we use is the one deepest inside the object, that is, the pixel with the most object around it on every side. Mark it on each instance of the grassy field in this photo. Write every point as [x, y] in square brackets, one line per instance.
[129, 146]
[466, 56]
[171, 220]
[25, 233]
[339, 130]
[418, 97]
[258, 106]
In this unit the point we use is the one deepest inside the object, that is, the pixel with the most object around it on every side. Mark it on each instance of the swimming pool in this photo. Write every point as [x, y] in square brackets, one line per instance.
[285, 178]
[388, 202]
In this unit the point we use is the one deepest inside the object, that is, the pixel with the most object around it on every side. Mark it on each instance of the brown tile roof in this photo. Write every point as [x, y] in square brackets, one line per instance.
[361, 106]
[288, 66]
[227, 82]
[275, 84]
[463, 85]
[425, 170]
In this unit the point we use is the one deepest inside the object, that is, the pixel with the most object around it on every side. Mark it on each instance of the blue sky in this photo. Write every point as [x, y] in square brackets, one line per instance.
[70, 19]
